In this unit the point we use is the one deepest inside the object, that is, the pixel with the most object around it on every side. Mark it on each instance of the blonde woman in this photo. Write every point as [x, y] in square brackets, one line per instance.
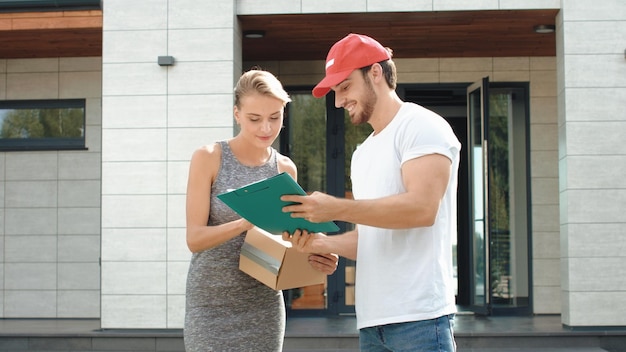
[227, 310]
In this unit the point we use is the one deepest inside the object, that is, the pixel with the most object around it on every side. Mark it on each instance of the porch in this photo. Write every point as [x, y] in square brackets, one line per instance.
[473, 334]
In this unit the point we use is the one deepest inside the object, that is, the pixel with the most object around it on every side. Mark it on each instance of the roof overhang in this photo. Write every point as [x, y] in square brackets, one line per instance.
[502, 33]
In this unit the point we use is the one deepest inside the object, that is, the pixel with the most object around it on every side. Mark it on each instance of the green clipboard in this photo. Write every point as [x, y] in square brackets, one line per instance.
[260, 203]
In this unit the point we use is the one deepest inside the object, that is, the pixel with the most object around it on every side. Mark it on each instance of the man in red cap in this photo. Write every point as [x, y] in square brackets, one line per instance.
[404, 181]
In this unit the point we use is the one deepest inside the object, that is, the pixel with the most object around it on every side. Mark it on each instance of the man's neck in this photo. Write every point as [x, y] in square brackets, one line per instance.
[386, 109]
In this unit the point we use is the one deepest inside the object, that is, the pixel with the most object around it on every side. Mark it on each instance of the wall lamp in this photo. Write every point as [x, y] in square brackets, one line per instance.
[165, 60]
[544, 28]
[253, 34]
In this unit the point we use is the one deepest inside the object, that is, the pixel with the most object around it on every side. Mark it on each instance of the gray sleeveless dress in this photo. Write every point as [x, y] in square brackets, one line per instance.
[227, 310]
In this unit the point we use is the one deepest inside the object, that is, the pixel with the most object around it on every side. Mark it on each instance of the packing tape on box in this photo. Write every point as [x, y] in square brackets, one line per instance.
[266, 261]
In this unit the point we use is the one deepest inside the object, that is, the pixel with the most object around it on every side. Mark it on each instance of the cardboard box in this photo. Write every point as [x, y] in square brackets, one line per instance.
[275, 263]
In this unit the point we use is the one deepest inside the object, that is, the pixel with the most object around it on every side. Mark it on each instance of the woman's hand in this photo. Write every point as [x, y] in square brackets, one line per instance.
[244, 224]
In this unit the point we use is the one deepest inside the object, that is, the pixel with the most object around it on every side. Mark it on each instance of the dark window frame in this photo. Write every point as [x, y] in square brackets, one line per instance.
[48, 5]
[44, 144]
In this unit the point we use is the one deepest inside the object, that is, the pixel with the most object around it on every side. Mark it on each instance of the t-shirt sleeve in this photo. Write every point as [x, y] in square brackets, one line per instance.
[431, 135]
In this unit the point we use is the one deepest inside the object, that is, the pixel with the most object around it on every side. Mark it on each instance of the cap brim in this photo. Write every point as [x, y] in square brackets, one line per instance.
[330, 80]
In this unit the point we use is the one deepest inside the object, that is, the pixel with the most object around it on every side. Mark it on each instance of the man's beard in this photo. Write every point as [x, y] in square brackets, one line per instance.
[368, 101]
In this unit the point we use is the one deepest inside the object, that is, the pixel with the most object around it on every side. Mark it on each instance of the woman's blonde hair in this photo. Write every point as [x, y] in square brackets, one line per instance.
[261, 82]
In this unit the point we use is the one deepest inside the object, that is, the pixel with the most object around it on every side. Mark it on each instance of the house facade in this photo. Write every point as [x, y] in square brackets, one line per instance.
[97, 229]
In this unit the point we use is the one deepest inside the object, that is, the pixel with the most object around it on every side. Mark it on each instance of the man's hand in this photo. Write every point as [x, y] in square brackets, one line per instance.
[306, 242]
[326, 263]
[317, 207]
[344, 245]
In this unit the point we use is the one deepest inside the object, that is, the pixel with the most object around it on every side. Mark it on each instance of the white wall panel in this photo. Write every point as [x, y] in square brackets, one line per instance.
[136, 211]
[456, 5]
[133, 79]
[134, 15]
[256, 7]
[200, 110]
[119, 245]
[148, 311]
[399, 5]
[529, 4]
[134, 177]
[200, 14]
[133, 145]
[122, 47]
[317, 6]
[135, 111]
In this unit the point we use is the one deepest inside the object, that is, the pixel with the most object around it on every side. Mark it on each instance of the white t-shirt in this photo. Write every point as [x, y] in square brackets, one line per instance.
[404, 275]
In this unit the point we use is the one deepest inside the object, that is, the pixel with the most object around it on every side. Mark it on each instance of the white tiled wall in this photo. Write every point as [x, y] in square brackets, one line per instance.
[50, 201]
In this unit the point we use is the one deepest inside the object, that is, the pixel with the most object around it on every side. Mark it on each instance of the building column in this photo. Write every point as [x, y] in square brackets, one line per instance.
[591, 68]
[153, 118]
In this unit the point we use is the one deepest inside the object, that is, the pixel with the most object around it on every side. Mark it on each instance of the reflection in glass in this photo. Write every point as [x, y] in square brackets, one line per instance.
[307, 131]
[507, 214]
[42, 124]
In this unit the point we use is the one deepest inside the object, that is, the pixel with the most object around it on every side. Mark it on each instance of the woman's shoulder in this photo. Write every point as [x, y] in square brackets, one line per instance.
[203, 167]
[285, 164]
[208, 153]
[209, 149]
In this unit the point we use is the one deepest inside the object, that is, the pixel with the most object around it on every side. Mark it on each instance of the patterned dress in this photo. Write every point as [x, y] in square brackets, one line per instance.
[227, 310]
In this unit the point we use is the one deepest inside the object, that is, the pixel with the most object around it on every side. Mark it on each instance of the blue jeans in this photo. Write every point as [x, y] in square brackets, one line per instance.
[435, 335]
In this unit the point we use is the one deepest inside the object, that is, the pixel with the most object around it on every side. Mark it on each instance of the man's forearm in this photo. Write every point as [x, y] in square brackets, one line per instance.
[394, 212]
[344, 245]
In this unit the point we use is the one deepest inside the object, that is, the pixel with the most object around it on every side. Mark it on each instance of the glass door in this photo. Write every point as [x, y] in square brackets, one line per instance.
[303, 139]
[477, 106]
[509, 199]
[320, 139]
[499, 198]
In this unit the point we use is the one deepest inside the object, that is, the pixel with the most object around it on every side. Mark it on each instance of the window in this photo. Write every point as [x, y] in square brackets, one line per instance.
[42, 124]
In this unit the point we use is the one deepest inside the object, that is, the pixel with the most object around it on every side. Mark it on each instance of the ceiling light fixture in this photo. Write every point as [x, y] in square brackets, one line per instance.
[544, 28]
[254, 34]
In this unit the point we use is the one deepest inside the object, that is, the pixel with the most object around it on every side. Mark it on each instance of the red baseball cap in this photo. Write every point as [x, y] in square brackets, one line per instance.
[350, 53]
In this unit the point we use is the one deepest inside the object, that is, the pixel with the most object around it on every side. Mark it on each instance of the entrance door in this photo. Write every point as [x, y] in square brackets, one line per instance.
[320, 140]
[477, 110]
[497, 116]
[492, 250]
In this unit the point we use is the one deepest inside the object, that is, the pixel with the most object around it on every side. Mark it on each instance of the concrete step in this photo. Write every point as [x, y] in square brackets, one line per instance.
[477, 344]
[534, 349]
[473, 334]
[521, 349]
